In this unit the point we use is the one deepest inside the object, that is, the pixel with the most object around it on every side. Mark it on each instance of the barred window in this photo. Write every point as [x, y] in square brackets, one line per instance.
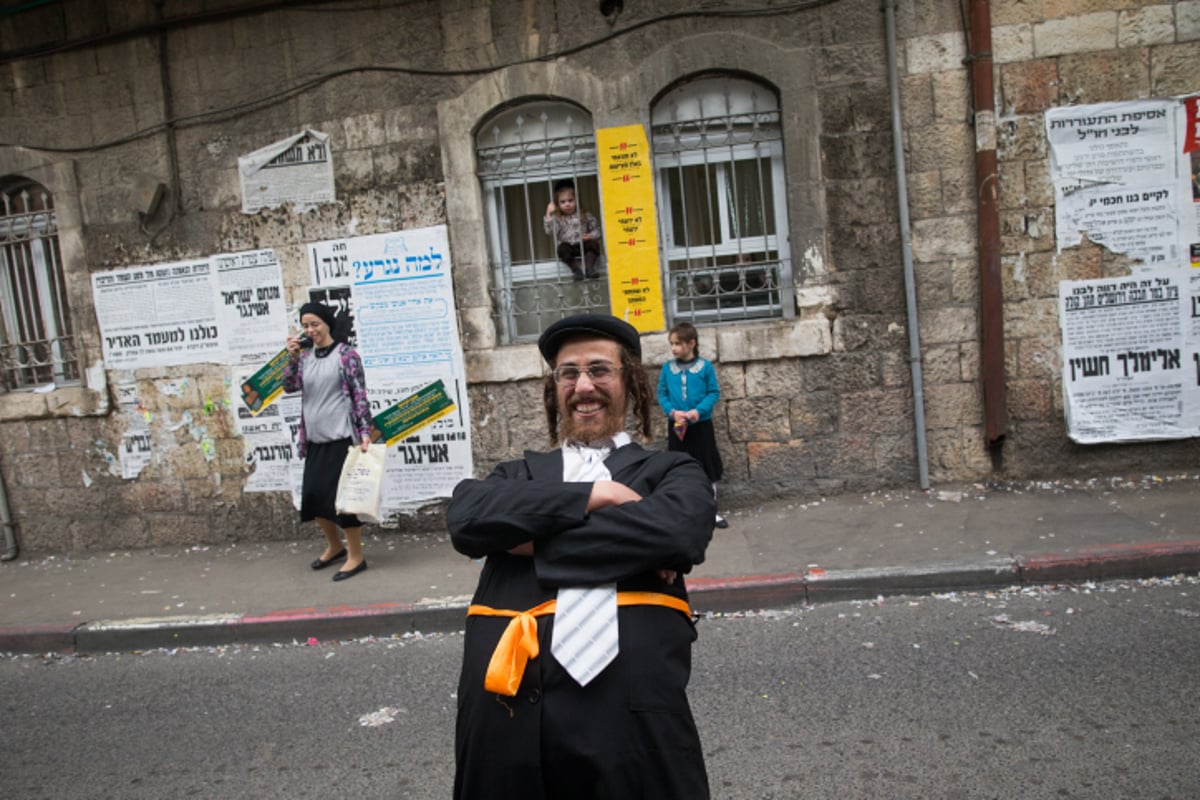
[718, 158]
[37, 345]
[522, 153]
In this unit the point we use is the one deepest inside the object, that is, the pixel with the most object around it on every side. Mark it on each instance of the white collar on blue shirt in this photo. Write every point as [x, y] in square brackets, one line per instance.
[693, 366]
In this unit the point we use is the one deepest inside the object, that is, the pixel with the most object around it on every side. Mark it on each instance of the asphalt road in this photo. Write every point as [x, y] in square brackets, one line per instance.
[1087, 692]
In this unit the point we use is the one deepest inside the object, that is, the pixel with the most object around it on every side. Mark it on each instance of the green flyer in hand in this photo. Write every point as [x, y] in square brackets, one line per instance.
[261, 388]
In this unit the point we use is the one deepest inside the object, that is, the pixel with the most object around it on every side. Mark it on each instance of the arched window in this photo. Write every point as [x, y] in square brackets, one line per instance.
[718, 158]
[38, 346]
[522, 152]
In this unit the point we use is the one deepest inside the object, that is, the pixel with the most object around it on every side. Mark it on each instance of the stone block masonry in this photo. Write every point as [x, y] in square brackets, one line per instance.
[817, 399]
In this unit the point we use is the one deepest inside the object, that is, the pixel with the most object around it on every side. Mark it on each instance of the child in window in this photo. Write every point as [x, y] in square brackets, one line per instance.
[687, 392]
[576, 233]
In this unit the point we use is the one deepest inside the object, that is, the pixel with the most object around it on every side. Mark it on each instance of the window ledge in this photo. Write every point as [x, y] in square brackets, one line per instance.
[504, 364]
[782, 339]
[64, 401]
[744, 342]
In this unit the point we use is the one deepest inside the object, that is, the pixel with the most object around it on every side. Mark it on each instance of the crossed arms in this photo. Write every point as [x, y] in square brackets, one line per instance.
[657, 517]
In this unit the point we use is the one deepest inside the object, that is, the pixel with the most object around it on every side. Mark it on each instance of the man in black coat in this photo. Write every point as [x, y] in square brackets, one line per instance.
[596, 512]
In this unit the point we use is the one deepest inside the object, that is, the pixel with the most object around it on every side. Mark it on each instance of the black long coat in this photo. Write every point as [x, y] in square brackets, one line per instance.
[629, 733]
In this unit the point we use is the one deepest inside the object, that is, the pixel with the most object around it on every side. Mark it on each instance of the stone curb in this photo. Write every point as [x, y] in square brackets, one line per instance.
[864, 584]
[1113, 561]
[707, 595]
[751, 591]
[38, 638]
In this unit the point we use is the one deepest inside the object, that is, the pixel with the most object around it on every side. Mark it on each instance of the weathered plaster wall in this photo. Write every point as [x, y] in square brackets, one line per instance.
[821, 403]
[1078, 53]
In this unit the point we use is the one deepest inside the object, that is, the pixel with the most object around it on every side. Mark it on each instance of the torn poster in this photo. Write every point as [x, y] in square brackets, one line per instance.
[1114, 167]
[298, 169]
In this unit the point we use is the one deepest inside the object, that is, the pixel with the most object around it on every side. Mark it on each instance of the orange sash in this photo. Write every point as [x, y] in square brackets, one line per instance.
[519, 642]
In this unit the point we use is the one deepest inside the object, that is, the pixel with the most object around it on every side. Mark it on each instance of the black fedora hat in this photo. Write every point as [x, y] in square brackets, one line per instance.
[602, 325]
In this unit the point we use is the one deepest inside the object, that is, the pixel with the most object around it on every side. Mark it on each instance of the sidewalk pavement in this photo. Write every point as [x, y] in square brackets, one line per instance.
[852, 546]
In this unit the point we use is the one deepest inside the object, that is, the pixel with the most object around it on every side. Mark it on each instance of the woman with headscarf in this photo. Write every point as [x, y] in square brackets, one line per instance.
[334, 416]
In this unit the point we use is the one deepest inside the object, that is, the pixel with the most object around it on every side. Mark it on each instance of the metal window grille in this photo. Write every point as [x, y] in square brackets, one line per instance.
[37, 345]
[521, 154]
[718, 155]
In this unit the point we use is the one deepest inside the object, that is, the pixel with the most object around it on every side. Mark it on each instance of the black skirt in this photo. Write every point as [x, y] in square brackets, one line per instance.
[700, 442]
[322, 469]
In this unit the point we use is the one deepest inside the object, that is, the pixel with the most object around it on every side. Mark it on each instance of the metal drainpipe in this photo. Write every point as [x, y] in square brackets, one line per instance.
[910, 293]
[10, 535]
[987, 191]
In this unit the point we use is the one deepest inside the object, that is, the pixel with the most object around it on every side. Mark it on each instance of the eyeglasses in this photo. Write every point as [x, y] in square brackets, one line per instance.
[599, 373]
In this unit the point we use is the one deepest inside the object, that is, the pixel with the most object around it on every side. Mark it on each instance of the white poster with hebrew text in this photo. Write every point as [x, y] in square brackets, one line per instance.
[1127, 371]
[250, 305]
[408, 338]
[298, 170]
[158, 315]
[1115, 173]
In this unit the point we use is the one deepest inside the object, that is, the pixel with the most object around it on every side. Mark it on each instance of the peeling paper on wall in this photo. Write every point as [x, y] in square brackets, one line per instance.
[126, 393]
[814, 261]
[199, 433]
[1114, 169]
[185, 419]
[300, 172]
[95, 376]
[172, 388]
[114, 465]
[136, 448]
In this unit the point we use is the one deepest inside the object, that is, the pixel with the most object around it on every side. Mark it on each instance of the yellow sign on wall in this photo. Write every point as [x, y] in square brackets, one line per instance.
[630, 227]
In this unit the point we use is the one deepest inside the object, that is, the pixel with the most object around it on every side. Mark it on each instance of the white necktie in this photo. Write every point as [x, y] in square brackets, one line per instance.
[584, 640]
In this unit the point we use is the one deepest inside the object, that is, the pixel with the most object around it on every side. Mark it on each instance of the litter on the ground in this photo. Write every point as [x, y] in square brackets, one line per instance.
[383, 716]
[1028, 626]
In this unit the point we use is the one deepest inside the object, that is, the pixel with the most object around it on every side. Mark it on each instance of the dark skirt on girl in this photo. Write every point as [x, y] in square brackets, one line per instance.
[700, 442]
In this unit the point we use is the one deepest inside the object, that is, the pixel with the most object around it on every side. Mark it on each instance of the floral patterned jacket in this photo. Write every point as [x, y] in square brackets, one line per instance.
[354, 386]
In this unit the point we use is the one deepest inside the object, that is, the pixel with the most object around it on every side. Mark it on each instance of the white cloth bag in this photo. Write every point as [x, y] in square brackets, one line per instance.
[360, 487]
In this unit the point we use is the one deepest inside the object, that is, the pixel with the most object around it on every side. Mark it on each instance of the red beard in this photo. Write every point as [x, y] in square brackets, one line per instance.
[606, 422]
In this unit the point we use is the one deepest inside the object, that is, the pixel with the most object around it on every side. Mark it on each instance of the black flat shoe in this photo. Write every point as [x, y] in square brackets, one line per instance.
[720, 522]
[343, 574]
[319, 564]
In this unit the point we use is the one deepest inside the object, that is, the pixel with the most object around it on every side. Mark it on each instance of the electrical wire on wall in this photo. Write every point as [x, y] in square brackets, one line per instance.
[266, 101]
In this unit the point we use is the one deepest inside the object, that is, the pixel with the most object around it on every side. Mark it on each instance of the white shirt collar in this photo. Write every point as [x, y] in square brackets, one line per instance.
[608, 443]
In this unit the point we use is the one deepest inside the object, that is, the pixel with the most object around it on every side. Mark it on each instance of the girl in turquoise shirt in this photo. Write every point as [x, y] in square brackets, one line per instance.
[687, 392]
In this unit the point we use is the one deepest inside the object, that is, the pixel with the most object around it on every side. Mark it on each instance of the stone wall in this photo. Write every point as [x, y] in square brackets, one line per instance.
[1087, 52]
[816, 404]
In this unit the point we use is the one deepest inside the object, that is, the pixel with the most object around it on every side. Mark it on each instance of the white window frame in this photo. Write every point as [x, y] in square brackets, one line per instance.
[534, 143]
[676, 150]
